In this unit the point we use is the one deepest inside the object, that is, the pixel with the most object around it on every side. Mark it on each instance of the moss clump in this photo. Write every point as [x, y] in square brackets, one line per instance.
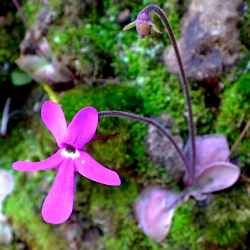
[234, 115]
[27, 143]
[113, 150]
[112, 210]
[28, 225]
[124, 144]
[23, 206]
[185, 231]
[228, 218]
[109, 97]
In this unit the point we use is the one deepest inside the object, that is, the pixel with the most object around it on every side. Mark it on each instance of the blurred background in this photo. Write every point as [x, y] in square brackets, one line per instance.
[75, 52]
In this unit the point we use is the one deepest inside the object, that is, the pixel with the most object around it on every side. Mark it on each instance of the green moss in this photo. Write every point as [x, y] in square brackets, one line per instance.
[28, 224]
[112, 210]
[228, 218]
[113, 97]
[23, 206]
[27, 143]
[114, 150]
[234, 115]
[185, 231]
[96, 47]
[124, 147]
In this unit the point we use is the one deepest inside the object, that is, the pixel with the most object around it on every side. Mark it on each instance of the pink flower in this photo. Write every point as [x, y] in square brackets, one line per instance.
[68, 159]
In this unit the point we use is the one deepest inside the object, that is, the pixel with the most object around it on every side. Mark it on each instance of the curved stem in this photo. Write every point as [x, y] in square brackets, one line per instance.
[19, 9]
[148, 121]
[184, 81]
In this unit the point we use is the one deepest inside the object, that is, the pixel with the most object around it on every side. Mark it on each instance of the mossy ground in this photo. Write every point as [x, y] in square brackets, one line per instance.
[98, 49]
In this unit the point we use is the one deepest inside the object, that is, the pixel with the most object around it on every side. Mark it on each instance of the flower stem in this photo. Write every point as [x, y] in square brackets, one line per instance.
[50, 92]
[20, 11]
[184, 82]
[148, 121]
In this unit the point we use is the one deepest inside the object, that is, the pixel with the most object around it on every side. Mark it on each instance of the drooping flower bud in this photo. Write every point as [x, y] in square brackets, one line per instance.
[143, 23]
[146, 23]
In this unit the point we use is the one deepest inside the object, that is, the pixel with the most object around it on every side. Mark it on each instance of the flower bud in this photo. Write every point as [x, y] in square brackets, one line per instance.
[143, 23]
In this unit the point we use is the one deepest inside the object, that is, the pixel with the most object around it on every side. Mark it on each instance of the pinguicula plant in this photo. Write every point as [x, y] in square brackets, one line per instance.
[206, 158]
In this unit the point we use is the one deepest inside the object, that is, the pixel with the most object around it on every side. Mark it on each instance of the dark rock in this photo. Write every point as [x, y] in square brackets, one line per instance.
[124, 17]
[162, 152]
[209, 40]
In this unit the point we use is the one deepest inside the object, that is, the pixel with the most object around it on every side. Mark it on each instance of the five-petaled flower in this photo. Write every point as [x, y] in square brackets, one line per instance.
[68, 159]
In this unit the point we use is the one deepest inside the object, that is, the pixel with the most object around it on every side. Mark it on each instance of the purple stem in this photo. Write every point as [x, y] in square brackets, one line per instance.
[184, 82]
[148, 121]
[19, 9]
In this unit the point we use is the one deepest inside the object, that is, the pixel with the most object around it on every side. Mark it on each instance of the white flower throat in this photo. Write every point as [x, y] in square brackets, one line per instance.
[70, 152]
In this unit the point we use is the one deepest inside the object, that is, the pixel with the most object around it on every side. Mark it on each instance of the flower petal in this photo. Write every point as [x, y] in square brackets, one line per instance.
[82, 128]
[151, 210]
[58, 204]
[28, 166]
[54, 119]
[91, 169]
[217, 176]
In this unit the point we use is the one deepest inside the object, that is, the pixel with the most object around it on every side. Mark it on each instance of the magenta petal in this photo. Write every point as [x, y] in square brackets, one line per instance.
[82, 128]
[52, 162]
[216, 177]
[91, 169]
[53, 118]
[58, 204]
[152, 213]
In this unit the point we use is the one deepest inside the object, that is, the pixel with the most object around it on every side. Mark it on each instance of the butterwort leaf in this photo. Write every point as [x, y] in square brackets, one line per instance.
[19, 78]
[216, 177]
[152, 211]
[209, 149]
[44, 71]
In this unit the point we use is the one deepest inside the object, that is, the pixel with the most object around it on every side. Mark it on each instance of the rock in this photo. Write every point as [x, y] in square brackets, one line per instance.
[209, 40]
[92, 237]
[162, 152]
[6, 187]
[124, 17]
[5, 233]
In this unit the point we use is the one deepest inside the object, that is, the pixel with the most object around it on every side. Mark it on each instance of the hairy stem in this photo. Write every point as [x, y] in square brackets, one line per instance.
[148, 121]
[184, 81]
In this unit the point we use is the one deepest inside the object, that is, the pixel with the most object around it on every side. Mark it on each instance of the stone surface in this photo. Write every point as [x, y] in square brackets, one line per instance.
[6, 187]
[209, 39]
[162, 152]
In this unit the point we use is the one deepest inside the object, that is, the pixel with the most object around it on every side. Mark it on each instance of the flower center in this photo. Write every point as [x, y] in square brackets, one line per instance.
[70, 152]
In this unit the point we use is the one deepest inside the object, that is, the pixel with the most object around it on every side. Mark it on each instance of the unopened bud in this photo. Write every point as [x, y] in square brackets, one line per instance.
[143, 24]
